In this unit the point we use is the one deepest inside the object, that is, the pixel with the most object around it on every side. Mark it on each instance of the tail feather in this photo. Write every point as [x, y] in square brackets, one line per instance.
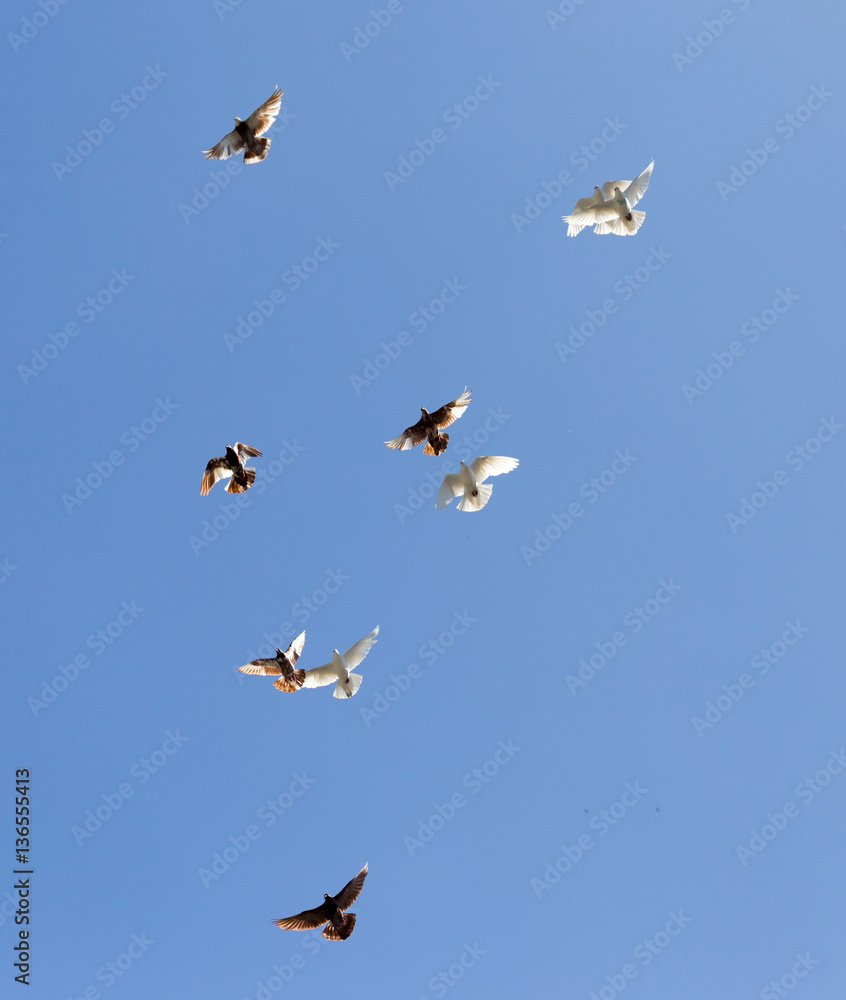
[440, 445]
[236, 487]
[348, 689]
[252, 157]
[290, 687]
[637, 221]
[332, 933]
[483, 494]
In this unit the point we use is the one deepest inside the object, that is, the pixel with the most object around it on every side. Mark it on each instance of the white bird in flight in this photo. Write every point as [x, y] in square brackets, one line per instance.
[467, 482]
[610, 208]
[340, 668]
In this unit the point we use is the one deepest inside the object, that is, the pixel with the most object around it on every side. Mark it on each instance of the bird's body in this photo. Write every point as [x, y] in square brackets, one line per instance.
[468, 482]
[246, 134]
[339, 925]
[428, 428]
[340, 667]
[281, 666]
[232, 464]
[610, 208]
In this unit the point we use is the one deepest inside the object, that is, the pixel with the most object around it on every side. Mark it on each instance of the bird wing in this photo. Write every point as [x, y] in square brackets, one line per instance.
[265, 115]
[245, 451]
[492, 465]
[614, 226]
[319, 677]
[608, 188]
[349, 894]
[229, 144]
[636, 190]
[215, 470]
[452, 486]
[450, 412]
[294, 651]
[356, 653]
[410, 437]
[264, 667]
[304, 921]
[602, 212]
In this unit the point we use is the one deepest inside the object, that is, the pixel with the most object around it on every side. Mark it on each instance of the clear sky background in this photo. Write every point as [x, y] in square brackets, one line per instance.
[676, 892]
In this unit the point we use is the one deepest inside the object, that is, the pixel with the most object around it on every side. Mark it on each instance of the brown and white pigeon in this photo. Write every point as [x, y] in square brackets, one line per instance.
[246, 133]
[428, 426]
[331, 912]
[231, 464]
[283, 663]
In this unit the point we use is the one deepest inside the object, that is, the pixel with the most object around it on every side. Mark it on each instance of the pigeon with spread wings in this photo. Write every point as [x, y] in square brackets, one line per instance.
[428, 427]
[282, 663]
[246, 134]
[231, 464]
[467, 482]
[331, 912]
[340, 669]
[614, 212]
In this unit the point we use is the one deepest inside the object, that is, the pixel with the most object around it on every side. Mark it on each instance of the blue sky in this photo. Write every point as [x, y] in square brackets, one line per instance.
[599, 745]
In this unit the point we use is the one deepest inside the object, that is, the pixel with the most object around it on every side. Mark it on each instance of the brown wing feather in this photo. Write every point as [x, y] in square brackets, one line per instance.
[231, 143]
[246, 451]
[410, 437]
[263, 667]
[295, 649]
[265, 115]
[304, 921]
[349, 894]
[209, 477]
[450, 412]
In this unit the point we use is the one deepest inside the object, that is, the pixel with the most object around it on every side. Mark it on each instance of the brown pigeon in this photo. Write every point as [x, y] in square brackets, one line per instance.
[246, 133]
[282, 663]
[340, 924]
[231, 464]
[428, 426]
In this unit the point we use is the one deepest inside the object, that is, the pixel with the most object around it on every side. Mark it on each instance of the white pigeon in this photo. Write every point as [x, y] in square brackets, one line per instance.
[467, 482]
[340, 669]
[613, 211]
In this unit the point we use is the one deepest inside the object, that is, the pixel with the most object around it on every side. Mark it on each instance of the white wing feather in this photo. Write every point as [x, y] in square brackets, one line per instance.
[492, 465]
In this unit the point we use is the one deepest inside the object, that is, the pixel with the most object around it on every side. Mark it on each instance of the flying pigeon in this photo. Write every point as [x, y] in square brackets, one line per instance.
[610, 210]
[467, 482]
[428, 426]
[339, 669]
[246, 133]
[231, 464]
[282, 663]
[331, 912]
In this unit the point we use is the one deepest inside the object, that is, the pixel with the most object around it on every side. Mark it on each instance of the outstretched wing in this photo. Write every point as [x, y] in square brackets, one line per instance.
[215, 470]
[452, 486]
[356, 653]
[602, 212]
[304, 921]
[636, 190]
[492, 465]
[245, 451]
[450, 412]
[294, 651]
[319, 677]
[228, 145]
[265, 115]
[410, 437]
[349, 894]
[263, 667]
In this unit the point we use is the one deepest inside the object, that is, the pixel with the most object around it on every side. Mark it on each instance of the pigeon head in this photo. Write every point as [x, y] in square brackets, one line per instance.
[279, 652]
[424, 411]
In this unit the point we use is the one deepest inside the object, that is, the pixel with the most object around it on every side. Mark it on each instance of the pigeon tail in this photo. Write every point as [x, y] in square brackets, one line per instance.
[290, 687]
[346, 689]
[341, 933]
[439, 446]
[256, 156]
[236, 487]
[476, 499]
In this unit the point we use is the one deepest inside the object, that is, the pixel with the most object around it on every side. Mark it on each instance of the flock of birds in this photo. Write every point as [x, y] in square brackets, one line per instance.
[610, 209]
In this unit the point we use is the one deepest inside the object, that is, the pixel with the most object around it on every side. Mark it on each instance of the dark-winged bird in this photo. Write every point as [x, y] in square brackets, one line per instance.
[282, 663]
[231, 464]
[428, 426]
[246, 133]
[331, 912]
